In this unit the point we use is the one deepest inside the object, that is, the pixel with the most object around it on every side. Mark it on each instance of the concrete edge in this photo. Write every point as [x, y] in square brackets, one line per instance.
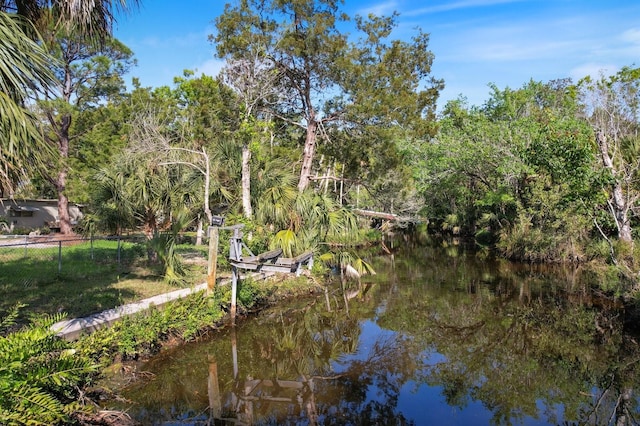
[71, 329]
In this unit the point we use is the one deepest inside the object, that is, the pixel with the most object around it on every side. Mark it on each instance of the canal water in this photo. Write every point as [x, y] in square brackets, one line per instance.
[438, 336]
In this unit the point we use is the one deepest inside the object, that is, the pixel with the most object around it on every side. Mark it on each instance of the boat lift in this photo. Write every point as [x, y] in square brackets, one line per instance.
[241, 257]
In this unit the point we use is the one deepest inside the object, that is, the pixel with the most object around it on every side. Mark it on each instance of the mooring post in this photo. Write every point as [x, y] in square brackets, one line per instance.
[234, 352]
[235, 252]
[212, 265]
[213, 390]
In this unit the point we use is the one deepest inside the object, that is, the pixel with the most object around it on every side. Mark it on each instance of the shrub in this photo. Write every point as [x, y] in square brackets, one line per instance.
[39, 374]
[142, 334]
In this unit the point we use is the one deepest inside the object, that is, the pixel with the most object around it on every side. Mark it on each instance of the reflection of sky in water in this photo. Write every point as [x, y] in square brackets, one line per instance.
[370, 334]
[420, 403]
[385, 376]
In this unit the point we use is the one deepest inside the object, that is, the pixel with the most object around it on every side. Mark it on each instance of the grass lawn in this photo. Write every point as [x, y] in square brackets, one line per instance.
[84, 278]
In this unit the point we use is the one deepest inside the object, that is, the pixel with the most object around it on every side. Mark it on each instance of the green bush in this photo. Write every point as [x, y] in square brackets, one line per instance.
[563, 238]
[247, 293]
[20, 230]
[40, 374]
[142, 334]
[598, 249]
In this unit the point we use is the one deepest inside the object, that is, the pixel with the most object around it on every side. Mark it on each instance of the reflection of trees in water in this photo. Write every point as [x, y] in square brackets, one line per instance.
[510, 342]
[302, 346]
[282, 367]
[338, 397]
[388, 366]
[614, 403]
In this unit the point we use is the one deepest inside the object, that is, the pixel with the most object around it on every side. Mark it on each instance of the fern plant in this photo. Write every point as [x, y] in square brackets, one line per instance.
[39, 374]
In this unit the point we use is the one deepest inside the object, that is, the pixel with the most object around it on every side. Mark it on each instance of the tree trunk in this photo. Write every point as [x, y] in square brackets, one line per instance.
[307, 155]
[207, 183]
[619, 205]
[246, 181]
[63, 205]
[61, 178]
[207, 208]
[150, 229]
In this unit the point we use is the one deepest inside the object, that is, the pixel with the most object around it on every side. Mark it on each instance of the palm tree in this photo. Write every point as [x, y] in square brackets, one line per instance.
[93, 19]
[24, 67]
[275, 189]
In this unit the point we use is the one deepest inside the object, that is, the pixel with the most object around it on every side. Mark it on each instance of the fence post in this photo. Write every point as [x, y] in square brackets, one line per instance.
[118, 250]
[26, 245]
[59, 256]
[91, 239]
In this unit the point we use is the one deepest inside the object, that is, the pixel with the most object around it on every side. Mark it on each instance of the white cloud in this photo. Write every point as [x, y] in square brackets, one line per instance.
[507, 43]
[630, 44]
[210, 67]
[593, 69]
[380, 9]
[465, 4]
[632, 36]
[518, 50]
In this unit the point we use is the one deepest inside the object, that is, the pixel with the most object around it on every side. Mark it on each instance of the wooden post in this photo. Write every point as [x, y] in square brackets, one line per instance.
[213, 389]
[213, 259]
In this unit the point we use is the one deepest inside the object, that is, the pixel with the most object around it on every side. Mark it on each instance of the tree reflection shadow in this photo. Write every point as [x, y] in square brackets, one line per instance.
[505, 339]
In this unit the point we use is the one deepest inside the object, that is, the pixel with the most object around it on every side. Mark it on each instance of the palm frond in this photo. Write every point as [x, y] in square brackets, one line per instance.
[22, 146]
[286, 240]
[363, 267]
[93, 19]
[24, 63]
[33, 405]
[39, 375]
[24, 67]
[10, 317]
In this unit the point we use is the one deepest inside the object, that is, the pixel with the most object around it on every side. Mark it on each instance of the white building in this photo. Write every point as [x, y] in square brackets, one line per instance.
[35, 214]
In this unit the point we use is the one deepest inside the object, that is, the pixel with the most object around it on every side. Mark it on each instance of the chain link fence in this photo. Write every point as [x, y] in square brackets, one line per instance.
[76, 276]
[38, 259]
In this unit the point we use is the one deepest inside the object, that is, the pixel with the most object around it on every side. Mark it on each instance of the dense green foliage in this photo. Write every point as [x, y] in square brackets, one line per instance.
[32, 66]
[305, 124]
[354, 91]
[546, 172]
[40, 374]
[525, 173]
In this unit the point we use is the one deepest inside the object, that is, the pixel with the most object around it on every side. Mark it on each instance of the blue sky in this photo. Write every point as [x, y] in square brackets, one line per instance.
[475, 42]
